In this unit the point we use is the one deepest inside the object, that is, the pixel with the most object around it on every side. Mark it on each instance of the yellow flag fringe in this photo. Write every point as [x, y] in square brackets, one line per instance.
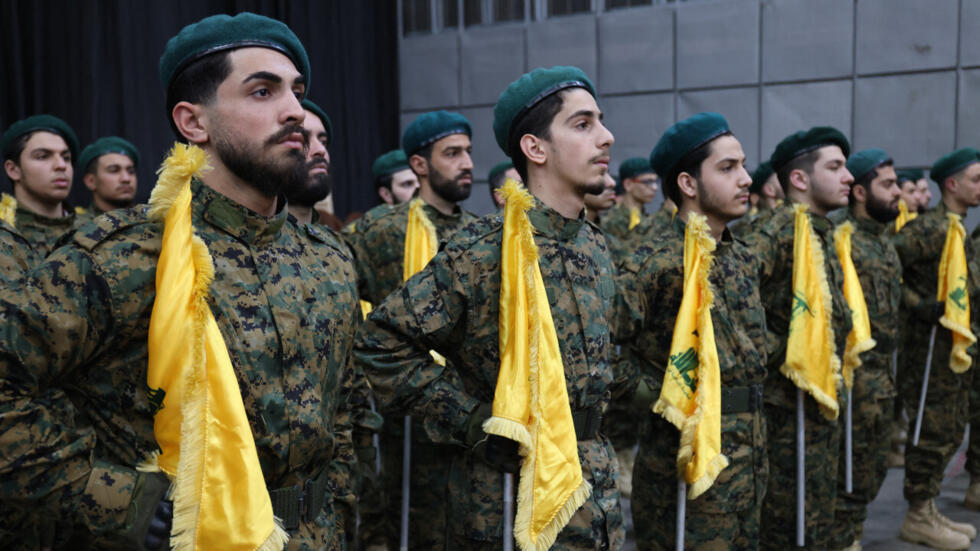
[8, 210]
[953, 268]
[859, 340]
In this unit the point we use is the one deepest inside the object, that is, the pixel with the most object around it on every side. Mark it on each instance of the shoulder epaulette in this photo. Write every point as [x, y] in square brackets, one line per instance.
[98, 230]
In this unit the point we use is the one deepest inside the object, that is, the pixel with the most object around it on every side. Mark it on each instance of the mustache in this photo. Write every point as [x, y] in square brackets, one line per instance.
[318, 161]
[465, 172]
[287, 130]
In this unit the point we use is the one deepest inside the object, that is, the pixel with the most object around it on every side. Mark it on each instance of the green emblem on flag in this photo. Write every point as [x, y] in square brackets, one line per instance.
[958, 295]
[799, 306]
[155, 396]
[685, 363]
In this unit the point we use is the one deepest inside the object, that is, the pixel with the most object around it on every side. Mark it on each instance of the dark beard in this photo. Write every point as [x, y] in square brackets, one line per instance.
[315, 189]
[591, 188]
[269, 179]
[450, 189]
[119, 203]
[879, 211]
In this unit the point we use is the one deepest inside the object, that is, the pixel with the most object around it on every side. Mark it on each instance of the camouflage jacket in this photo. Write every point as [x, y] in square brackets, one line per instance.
[366, 219]
[771, 240]
[452, 307]
[616, 221]
[652, 226]
[16, 253]
[43, 232]
[880, 272]
[74, 349]
[379, 247]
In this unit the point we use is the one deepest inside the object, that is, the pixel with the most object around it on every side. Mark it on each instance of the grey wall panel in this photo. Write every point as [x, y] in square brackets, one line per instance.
[567, 40]
[791, 107]
[905, 35]
[429, 71]
[969, 30]
[492, 58]
[479, 202]
[909, 116]
[406, 119]
[636, 122]
[718, 43]
[486, 153]
[636, 50]
[740, 106]
[968, 123]
[802, 39]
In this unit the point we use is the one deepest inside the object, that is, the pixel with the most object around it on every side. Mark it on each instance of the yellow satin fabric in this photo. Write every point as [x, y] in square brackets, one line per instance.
[690, 397]
[8, 210]
[530, 403]
[953, 280]
[859, 339]
[421, 244]
[634, 218]
[366, 308]
[220, 497]
[811, 362]
[903, 215]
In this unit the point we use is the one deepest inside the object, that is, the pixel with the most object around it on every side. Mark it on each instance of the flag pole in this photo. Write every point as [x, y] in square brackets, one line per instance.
[681, 511]
[849, 444]
[508, 512]
[925, 387]
[800, 471]
[406, 478]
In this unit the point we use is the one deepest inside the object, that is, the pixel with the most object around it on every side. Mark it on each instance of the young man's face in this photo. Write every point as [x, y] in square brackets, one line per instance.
[830, 182]
[403, 186]
[44, 169]
[771, 188]
[967, 190]
[910, 195]
[317, 183]
[451, 167]
[883, 195]
[114, 180]
[723, 188]
[579, 145]
[255, 122]
[605, 199]
[923, 193]
[642, 187]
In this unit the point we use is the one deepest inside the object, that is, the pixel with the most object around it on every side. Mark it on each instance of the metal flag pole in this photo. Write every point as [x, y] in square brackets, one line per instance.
[508, 511]
[925, 387]
[681, 512]
[406, 478]
[849, 444]
[800, 471]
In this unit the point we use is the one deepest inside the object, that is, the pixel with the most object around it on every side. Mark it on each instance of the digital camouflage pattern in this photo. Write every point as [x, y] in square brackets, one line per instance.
[75, 413]
[920, 246]
[771, 239]
[973, 451]
[452, 306]
[652, 280]
[616, 221]
[651, 226]
[873, 394]
[43, 232]
[366, 219]
[16, 253]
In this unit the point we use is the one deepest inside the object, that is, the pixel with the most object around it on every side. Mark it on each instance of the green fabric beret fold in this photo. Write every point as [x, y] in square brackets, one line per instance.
[327, 124]
[431, 127]
[684, 137]
[108, 144]
[634, 166]
[866, 160]
[805, 141]
[759, 176]
[910, 175]
[389, 163]
[49, 123]
[224, 32]
[949, 165]
[527, 91]
[499, 169]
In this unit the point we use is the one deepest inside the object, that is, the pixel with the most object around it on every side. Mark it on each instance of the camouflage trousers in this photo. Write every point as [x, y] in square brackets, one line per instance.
[727, 516]
[973, 449]
[822, 440]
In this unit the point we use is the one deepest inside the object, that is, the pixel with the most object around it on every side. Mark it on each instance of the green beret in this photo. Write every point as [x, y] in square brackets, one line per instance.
[948, 165]
[634, 166]
[806, 141]
[684, 137]
[389, 163]
[431, 127]
[223, 32]
[315, 109]
[109, 144]
[866, 160]
[759, 176]
[527, 91]
[499, 169]
[910, 175]
[49, 123]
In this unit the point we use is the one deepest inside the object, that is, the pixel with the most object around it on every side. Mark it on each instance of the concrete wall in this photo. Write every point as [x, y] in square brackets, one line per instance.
[903, 75]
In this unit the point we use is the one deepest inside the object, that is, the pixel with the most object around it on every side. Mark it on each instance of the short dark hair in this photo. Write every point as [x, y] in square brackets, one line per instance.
[868, 177]
[802, 162]
[197, 83]
[17, 146]
[537, 122]
[691, 164]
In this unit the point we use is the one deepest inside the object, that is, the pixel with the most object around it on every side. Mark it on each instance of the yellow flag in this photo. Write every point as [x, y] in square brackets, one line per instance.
[859, 339]
[8, 210]
[366, 308]
[421, 244]
[903, 215]
[953, 278]
[530, 403]
[811, 362]
[219, 493]
[634, 217]
[691, 394]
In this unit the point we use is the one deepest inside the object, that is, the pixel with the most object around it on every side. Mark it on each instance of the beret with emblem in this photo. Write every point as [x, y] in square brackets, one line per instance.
[108, 144]
[684, 137]
[865, 161]
[499, 169]
[760, 175]
[315, 109]
[48, 123]
[634, 166]
[431, 127]
[910, 175]
[526, 92]
[805, 141]
[224, 32]
[389, 163]
[949, 165]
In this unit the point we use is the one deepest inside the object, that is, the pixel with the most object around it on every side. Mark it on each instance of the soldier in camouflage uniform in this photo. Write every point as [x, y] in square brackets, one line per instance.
[110, 165]
[75, 417]
[452, 306]
[872, 208]
[920, 245]
[652, 226]
[639, 183]
[765, 184]
[394, 182]
[811, 168]
[705, 175]
[437, 146]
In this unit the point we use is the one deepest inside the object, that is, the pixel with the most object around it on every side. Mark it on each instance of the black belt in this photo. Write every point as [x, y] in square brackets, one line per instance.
[294, 503]
[587, 422]
[741, 399]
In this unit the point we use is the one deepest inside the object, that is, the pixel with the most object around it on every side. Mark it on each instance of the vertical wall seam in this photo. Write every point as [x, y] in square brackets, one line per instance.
[854, 71]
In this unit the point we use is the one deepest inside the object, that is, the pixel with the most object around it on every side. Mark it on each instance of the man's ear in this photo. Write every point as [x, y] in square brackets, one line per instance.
[419, 165]
[860, 193]
[799, 180]
[13, 171]
[688, 185]
[534, 149]
[191, 121]
[385, 195]
[89, 181]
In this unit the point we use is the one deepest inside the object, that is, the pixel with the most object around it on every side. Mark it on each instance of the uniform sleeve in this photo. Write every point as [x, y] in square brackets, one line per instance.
[762, 247]
[910, 250]
[365, 275]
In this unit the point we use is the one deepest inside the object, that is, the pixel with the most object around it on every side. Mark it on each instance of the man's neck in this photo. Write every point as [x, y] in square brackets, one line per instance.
[554, 194]
[433, 199]
[29, 202]
[860, 211]
[303, 213]
[592, 215]
[954, 205]
[221, 180]
[630, 203]
[805, 199]
[102, 205]
[715, 226]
